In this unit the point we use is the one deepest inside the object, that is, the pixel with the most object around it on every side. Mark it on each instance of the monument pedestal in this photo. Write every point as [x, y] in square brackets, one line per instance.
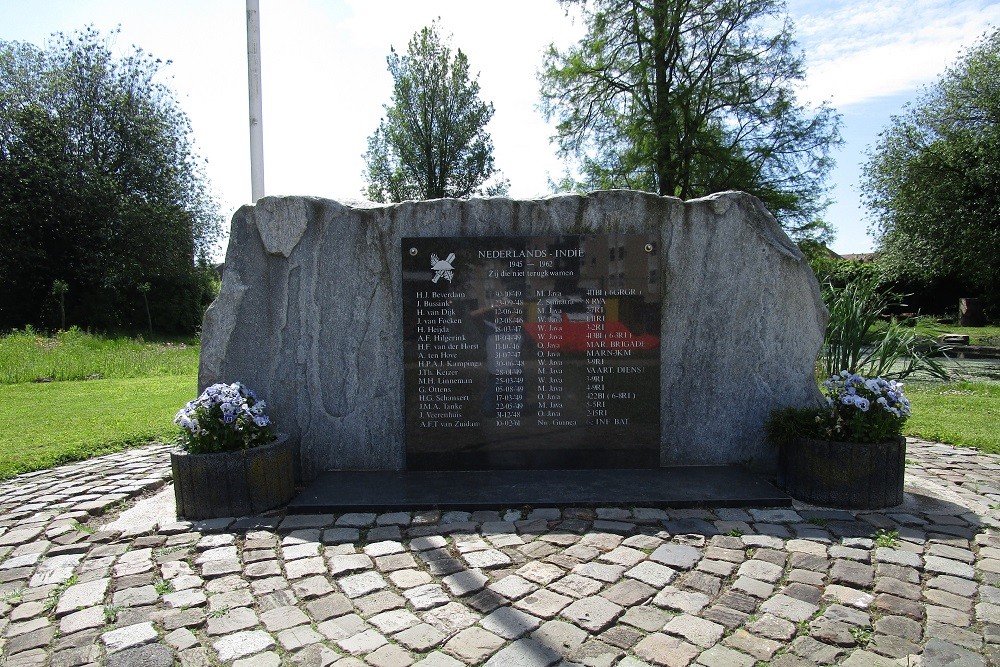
[469, 490]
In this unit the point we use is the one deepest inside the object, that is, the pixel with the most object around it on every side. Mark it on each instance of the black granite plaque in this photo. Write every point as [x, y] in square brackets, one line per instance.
[532, 352]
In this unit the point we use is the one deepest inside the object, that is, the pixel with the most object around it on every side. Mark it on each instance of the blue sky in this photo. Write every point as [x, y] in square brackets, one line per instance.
[324, 77]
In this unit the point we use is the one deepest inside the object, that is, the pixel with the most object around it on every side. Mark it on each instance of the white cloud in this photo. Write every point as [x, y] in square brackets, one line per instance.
[858, 50]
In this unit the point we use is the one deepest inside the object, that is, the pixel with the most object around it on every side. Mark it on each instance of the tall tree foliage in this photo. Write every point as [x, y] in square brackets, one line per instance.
[690, 97]
[101, 192]
[933, 179]
[432, 142]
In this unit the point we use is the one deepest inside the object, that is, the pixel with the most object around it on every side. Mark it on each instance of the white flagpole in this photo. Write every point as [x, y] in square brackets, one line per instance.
[253, 75]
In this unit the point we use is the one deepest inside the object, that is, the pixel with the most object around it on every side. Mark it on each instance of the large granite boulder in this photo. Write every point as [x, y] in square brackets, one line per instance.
[310, 315]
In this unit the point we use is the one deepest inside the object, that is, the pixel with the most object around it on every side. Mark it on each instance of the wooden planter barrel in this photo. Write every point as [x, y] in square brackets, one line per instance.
[847, 475]
[241, 483]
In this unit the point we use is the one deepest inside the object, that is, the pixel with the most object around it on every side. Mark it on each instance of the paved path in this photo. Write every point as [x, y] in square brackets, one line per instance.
[916, 584]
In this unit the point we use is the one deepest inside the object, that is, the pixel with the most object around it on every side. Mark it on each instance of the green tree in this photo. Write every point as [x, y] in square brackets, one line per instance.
[432, 142]
[690, 97]
[932, 181]
[100, 189]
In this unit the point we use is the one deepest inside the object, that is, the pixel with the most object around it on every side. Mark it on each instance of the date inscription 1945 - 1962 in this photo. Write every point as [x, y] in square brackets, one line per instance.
[532, 352]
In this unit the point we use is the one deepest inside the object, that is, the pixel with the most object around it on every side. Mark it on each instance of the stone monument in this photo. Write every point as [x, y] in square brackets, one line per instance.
[316, 312]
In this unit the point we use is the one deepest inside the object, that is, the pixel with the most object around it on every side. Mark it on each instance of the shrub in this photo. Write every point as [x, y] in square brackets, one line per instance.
[861, 339]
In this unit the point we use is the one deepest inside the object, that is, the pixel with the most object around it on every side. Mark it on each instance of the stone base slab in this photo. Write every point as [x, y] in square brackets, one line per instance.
[677, 486]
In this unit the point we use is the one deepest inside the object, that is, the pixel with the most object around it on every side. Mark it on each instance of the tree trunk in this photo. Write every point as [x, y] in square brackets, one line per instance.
[668, 16]
[149, 317]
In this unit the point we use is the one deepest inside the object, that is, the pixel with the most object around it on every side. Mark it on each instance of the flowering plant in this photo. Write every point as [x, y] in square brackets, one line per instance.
[858, 409]
[225, 418]
[864, 409]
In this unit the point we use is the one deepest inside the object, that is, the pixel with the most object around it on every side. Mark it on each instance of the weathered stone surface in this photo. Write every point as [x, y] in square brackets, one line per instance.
[129, 636]
[240, 644]
[486, 601]
[679, 556]
[595, 653]
[697, 630]
[593, 614]
[789, 608]
[659, 649]
[420, 637]
[363, 642]
[510, 623]
[281, 618]
[426, 596]
[720, 656]
[543, 603]
[685, 601]
[342, 627]
[759, 647]
[576, 586]
[298, 637]
[239, 618]
[357, 585]
[92, 617]
[142, 656]
[654, 574]
[82, 595]
[939, 653]
[629, 592]
[559, 635]
[524, 653]
[322, 335]
[852, 574]
[473, 645]
[760, 570]
[450, 617]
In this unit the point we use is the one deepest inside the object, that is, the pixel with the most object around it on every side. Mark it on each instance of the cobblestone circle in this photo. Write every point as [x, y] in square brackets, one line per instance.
[519, 587]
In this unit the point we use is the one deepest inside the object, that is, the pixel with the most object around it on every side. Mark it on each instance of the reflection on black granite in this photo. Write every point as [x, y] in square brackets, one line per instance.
[532, 352]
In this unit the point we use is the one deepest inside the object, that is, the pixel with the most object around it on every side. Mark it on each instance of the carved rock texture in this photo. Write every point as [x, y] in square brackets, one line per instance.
[309, 315]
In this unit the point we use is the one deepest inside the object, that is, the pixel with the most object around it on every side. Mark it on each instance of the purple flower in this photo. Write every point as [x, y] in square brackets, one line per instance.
[224, 416]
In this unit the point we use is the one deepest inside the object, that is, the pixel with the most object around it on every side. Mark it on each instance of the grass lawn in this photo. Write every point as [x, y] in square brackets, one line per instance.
[959, 413]
[67, 417]
[54, 422]
[27, 356]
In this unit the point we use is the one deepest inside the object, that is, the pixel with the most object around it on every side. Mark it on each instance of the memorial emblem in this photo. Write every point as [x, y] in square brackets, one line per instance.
[442, 268]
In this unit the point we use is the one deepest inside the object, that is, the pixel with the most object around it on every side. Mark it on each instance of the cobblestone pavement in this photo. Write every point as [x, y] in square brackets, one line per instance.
[916, 584]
